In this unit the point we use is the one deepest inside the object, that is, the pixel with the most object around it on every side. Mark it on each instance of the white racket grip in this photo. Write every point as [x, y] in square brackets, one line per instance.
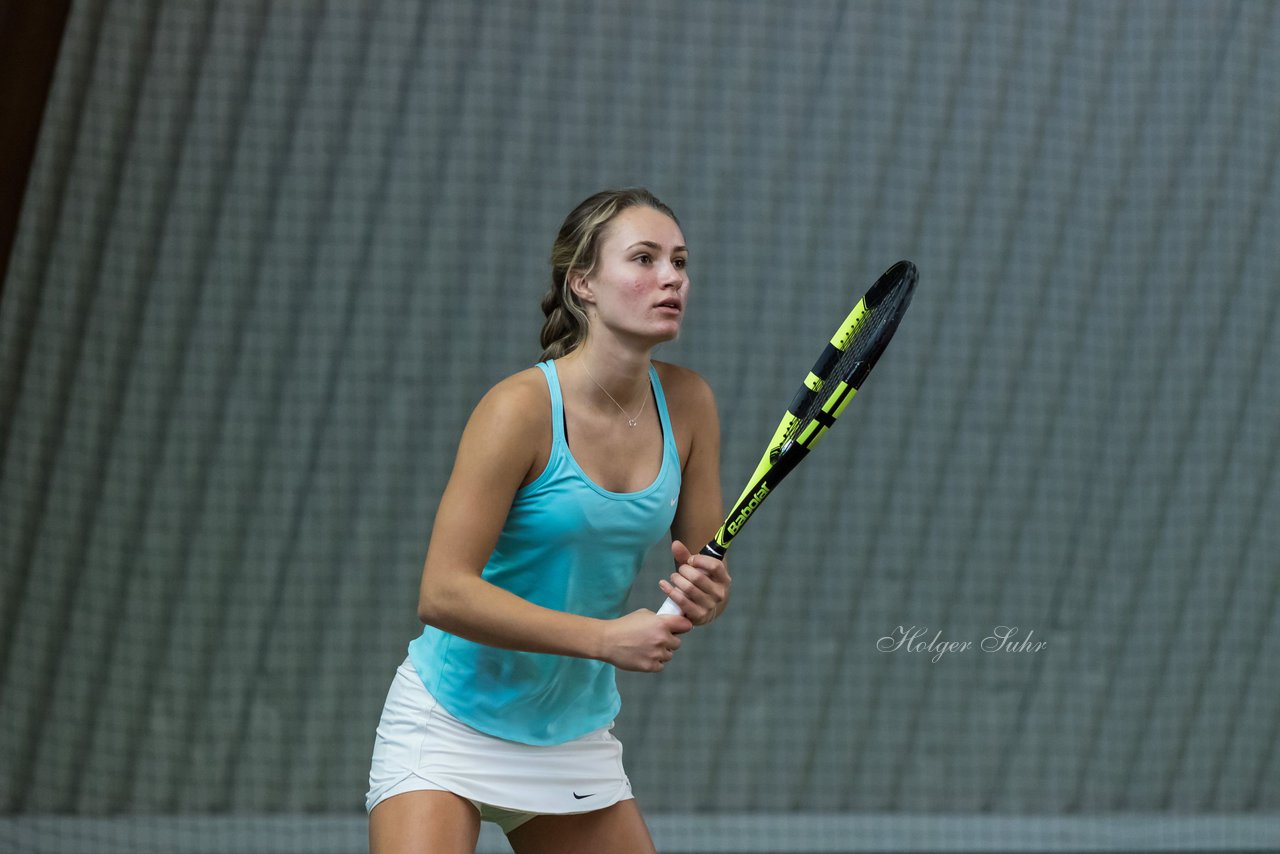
[669, 607]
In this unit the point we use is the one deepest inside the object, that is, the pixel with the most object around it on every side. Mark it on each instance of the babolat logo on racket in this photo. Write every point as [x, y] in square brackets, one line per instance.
[749, 508]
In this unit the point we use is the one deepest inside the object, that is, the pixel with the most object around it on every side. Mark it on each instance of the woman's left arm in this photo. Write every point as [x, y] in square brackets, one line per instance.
[700, 584]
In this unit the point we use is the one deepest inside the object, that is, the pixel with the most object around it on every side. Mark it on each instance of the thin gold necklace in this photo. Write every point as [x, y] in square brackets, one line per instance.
[631, 422]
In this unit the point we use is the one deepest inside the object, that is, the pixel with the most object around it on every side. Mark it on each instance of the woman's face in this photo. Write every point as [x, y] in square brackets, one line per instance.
[640, 283]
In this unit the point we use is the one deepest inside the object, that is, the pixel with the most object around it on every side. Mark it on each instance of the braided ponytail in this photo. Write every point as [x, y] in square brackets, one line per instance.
[566, 325]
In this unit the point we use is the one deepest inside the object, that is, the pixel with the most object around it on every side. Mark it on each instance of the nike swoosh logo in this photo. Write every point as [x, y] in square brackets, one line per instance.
[673, 503]
[580, 797]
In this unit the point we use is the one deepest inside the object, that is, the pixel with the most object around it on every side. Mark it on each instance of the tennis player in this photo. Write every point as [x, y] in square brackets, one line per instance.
[566, 474]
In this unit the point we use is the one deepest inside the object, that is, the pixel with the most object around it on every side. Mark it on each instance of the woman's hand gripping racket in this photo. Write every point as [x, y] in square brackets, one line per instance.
[831, 384]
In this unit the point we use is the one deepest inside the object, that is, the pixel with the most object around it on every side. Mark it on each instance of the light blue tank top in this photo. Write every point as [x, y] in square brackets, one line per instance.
[570, 545]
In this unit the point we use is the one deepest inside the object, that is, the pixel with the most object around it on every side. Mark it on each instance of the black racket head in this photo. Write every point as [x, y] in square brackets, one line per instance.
[886, 302]
[864, 339]
[898, 282]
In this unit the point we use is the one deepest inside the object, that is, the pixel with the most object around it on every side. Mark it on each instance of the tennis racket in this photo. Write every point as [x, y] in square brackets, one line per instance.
[830, 386]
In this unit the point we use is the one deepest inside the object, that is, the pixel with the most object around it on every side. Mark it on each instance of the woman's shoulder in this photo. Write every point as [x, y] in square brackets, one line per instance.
[682, 385]
[519, 401]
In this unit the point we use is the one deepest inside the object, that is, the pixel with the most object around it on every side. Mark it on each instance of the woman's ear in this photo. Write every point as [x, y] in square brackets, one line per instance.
[581, 288]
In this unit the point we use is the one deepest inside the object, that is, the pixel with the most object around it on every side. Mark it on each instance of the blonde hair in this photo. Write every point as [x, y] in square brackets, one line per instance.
[577, 248]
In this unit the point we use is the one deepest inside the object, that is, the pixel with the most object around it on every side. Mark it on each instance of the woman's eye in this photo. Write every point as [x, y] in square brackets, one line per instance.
[643, 259]
[681, 263]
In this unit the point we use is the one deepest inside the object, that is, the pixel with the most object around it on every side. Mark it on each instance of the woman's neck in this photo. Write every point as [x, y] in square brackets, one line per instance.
[622, 372]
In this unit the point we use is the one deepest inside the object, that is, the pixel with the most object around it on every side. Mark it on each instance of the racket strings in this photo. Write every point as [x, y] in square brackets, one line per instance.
[863, 347]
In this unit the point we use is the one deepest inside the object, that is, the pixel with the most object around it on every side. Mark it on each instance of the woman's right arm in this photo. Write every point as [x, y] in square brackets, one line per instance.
[498, 449]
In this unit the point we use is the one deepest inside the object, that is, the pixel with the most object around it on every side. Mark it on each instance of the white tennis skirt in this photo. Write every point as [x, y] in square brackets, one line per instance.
[420, 746]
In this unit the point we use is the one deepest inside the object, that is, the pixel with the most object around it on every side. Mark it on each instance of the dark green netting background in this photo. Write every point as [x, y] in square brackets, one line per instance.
[272, 253]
